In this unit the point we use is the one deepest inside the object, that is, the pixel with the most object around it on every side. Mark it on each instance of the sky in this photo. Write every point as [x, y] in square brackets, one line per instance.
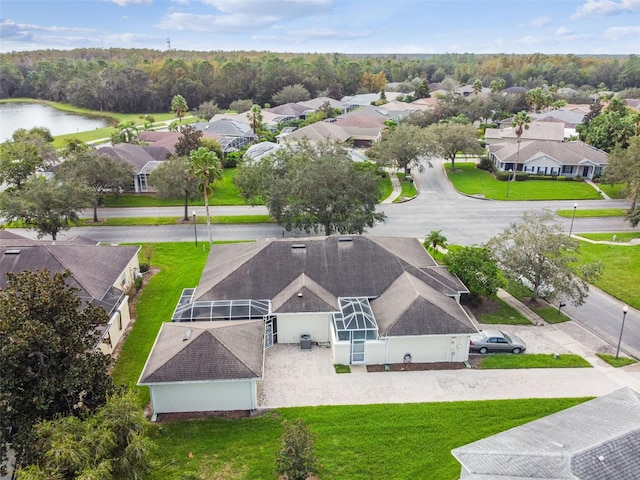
[343, 26]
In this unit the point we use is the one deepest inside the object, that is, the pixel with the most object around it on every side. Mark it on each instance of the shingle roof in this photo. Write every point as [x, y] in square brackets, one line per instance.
[327, 268]
[566, 153]
[319, 131]
[226, 128]
[596, 440]
[94, 268]
[316, 103]
[536, 131]
[206, 351]
[288, 109]
[133, 155]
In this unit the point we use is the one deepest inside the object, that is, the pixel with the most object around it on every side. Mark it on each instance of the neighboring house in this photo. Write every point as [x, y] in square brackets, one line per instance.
[365, 99]
[596, 440]
[260, 150]
[205, 366]
[315, 103]
[363, 130]
[536, 157]
[290, 110]
[103, 275]
[633, 103]
[142, 159]
[373, 300]
[232, 135]
[550, 131]
[316, 132]
[569, 118]
[269, 120]
[383, 113]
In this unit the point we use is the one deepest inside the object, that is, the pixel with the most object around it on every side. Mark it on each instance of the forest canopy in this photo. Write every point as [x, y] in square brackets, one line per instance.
[138, 80]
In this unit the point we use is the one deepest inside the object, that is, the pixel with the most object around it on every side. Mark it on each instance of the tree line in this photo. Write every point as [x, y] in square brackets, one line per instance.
[138, 80]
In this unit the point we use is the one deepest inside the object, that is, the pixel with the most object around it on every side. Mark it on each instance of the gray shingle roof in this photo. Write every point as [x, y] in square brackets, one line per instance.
[566, 153]
[224, 350]
[596, 440]
[327, 268]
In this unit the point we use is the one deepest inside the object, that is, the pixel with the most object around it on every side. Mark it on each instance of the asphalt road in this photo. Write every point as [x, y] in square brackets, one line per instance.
[463, 220]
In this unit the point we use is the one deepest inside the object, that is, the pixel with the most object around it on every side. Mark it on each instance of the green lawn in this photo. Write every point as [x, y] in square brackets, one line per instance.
[550, 314]
[621, 275]
[408, 189]
[472, 181]
[202, 219]
[353, 442]
[180, 266]
[530, 360]
[505, 315]
[603, 212]
[616, 362]
[224, 193]
[608, 237]
[385, 186]
[614, 191]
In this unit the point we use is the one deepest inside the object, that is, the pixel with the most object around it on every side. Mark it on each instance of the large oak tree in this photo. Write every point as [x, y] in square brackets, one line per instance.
[50, 366]
[313, 187]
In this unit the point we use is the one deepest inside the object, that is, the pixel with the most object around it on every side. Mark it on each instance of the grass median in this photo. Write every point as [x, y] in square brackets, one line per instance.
[594, 212]
[200, 219]
[533, 360]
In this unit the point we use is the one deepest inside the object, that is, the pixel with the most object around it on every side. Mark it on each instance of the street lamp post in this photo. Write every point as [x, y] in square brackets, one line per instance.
[625, 309]
[509, 181]
[195, 229]
[575, 205]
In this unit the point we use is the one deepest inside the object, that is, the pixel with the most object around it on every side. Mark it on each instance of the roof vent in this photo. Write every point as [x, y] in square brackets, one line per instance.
[187, 335]
[12, 251]
[345, 239]
[298, 245]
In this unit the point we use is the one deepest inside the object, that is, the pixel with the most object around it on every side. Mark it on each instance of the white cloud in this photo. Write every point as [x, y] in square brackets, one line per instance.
[563, 31]
[540, 21]
[124, 3]
[326, 33]
[616, 33]
[281, 9]
[214, 23]
[530, 40]
[603, 8]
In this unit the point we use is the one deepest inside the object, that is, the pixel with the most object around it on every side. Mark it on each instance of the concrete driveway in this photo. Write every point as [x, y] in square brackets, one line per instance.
[295, 377]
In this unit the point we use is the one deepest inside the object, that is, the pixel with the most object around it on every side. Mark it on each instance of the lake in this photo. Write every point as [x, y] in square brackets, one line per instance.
[28, 115]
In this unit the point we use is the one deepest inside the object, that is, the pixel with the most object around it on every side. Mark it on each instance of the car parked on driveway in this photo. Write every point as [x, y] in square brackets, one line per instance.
[495, 341]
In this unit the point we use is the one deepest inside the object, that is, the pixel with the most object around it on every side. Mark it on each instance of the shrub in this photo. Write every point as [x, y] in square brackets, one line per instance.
[144, 267]
[486, 164]
[502, 176]
[231, 159]
[521, 176]
[137, 283]
[578, 178]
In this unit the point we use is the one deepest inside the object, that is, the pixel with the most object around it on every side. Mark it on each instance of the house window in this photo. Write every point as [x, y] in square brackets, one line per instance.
[542, 170]
[555, 171]
[567, 169]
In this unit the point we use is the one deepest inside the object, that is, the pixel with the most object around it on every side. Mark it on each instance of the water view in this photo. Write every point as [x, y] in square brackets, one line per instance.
[28, 115]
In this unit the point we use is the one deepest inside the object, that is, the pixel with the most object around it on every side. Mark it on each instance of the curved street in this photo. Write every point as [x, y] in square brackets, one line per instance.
[462, 219]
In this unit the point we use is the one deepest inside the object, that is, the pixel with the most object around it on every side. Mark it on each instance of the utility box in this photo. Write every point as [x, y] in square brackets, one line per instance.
[305, 342]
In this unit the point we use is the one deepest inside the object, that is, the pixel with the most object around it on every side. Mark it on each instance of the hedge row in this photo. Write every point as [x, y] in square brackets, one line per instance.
[521, 177]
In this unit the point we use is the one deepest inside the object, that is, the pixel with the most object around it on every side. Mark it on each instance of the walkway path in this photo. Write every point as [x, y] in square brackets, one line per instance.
[397, 189]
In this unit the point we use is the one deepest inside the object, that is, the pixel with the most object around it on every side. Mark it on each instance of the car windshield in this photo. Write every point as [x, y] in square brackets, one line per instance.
[507, 337]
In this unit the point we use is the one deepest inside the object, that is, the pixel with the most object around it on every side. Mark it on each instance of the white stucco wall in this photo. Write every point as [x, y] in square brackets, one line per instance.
[204, 396]
[292, 325]
[117, 326]
[423, 349]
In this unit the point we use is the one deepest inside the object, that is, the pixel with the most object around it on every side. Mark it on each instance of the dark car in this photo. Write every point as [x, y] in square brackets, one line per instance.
[495, 341]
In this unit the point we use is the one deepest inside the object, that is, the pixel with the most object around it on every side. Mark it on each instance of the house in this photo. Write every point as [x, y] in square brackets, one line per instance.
[550, 131]
[538, 157]
[291, 111]
[232, 135]
[316, 132]
[142, 160]
[315, 104]
[205, 366]
[103, 275]
[598, 439]
[372, 300]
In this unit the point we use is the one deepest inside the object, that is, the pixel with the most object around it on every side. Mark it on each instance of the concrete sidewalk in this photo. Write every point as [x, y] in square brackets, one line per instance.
[397, 189]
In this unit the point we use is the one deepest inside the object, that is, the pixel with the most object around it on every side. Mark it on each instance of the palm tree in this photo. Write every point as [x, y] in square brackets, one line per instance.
[520, 123]
[255, 119]
[179, 106]
[435, 239]
[206, 167]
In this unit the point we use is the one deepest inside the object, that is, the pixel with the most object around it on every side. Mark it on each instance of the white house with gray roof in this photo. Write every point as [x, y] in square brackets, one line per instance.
[372, 300]
[596, 440]
[537, 157]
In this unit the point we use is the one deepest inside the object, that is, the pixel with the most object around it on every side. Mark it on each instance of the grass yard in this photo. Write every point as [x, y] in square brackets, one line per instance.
[180, 266]
[550, 314]
[616, 362]
[224, 193]
[530, 360]
[504, 314]
[385, 186]
[604, 212]
[353, 442]
[472, 181]
[621, 237]
[621, 275]
[614, 191]
[408, 189]
[202, 219]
